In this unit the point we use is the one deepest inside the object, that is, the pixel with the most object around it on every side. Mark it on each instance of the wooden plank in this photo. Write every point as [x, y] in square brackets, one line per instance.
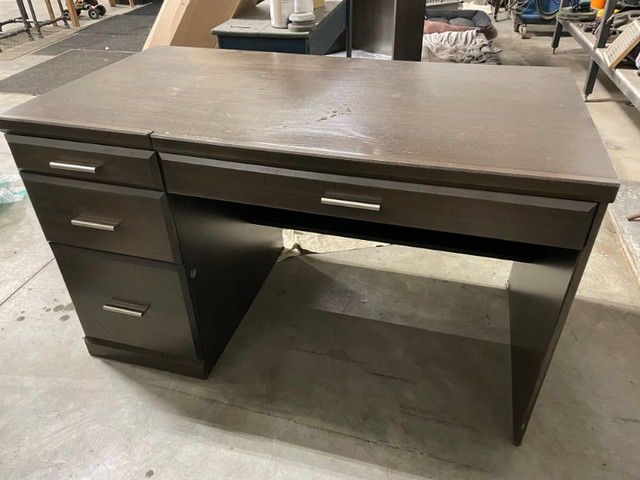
[50, 10]
[622, 45]
[189, 22]
[73, 15]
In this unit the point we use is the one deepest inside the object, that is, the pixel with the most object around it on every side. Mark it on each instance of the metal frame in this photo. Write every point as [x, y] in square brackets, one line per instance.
[625, 79]
[33, 22]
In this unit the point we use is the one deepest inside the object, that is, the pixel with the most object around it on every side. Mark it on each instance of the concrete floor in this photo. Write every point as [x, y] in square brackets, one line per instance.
[378, 363]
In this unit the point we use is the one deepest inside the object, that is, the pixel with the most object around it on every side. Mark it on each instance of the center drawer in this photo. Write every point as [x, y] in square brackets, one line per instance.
[130, 301]
[117, 219]
[497, 215]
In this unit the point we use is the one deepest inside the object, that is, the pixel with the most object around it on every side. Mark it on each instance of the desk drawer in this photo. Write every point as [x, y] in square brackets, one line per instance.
[504, 216]
[104, 217]
[130, 301]
[85, 161]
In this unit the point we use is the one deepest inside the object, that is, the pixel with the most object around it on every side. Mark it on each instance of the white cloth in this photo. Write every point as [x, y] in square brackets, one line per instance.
[462, 47]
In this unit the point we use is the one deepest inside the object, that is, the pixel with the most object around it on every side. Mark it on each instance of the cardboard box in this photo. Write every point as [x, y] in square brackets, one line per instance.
[318, 3]
[188, 23]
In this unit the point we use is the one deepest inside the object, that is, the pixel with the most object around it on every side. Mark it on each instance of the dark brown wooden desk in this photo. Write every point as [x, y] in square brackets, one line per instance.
[160, 201]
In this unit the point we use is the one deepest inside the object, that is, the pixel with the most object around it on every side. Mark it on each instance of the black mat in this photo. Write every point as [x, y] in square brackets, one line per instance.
[151, 9]
[60, 70]
[98, 42]
[122, 33]
[126, 24]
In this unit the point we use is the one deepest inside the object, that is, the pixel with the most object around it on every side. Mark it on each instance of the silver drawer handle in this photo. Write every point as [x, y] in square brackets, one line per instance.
[98, 225]
[74, 167]
[126, 309]
[350, 204]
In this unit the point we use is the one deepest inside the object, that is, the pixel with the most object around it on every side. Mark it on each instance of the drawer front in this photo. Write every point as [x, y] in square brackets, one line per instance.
[117, 219]
[85, 161]
[504, 216]
[131, 301]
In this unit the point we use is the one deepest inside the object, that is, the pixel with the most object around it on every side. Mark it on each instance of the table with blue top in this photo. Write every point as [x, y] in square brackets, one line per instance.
[252, 30]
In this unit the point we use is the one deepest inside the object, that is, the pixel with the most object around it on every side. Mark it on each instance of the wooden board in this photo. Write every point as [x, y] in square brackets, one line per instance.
[188, 23]
[622, 45]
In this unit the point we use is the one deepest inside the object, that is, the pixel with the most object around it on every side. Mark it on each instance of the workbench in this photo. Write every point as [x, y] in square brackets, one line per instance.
[626, 79]
[252, 30]
[163, 199]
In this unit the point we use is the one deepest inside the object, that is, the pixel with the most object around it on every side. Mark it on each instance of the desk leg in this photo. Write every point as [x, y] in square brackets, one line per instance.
[349, 34]
[540, 296]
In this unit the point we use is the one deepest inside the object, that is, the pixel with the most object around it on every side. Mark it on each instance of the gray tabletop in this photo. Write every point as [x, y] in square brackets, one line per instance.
[514, 129]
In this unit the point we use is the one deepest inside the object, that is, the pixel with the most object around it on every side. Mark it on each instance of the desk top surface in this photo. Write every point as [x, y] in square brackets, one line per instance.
[256, 22]
[513, 129]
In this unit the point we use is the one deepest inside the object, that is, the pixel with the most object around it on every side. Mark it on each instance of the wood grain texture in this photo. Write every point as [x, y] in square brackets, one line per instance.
[131, 138]
[520, 218]
[428, 121]
[144, 222]
[96, 279]
[115, 165]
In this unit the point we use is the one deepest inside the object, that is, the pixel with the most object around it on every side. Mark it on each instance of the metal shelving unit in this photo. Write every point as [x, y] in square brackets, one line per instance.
[627, 80]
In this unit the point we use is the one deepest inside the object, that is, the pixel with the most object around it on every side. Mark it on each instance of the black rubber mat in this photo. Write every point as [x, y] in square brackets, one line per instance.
[96, 42]
[126, 24]
[151, 9]
[60, 70]
[122, 33]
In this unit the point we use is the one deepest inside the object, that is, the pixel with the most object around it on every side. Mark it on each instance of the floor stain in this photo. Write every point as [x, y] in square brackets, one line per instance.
[68, 307]
[20, 318]
[390, 377]
[58, 308]
[149, 474]
[64, 318]
[628, 420]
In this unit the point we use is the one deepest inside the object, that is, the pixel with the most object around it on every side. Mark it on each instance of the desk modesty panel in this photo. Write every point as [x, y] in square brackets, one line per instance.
[181, 182]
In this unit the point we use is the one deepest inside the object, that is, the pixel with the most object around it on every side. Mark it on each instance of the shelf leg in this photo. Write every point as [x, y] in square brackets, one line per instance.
[557, 33]
[592, 75]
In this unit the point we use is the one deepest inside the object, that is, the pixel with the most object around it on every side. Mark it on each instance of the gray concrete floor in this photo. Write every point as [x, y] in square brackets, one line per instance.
[378, 363]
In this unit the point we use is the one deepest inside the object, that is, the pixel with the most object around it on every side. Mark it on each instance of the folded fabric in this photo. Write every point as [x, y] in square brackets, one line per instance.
[463, 47]
[568, 13]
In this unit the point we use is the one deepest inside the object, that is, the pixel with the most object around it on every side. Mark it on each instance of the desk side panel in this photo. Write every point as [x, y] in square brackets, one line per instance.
[541, 293]
[227, 260]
